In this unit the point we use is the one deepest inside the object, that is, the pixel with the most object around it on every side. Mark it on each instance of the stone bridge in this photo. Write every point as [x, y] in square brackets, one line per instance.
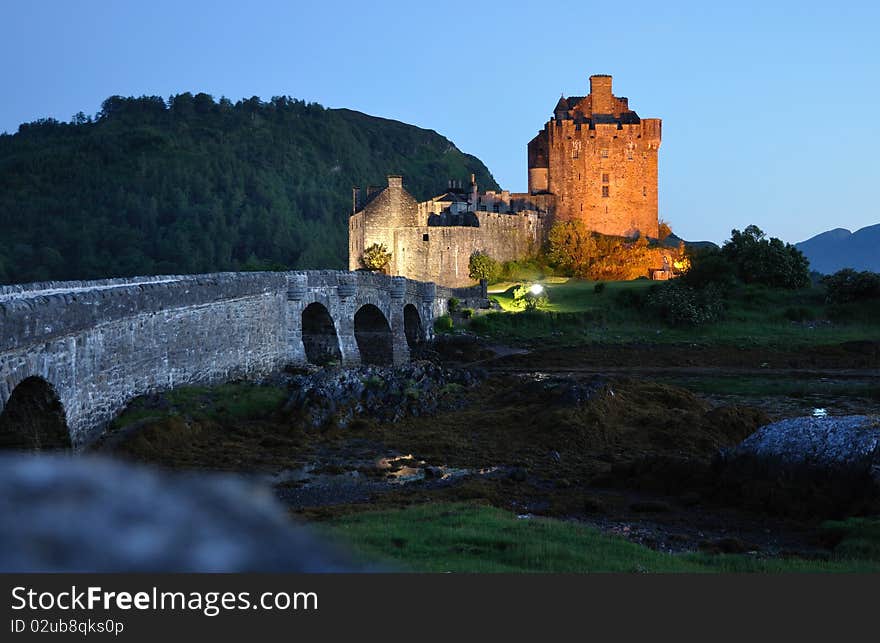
[73, 354]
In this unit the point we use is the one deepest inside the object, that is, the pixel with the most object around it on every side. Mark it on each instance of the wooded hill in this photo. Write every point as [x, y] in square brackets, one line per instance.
[188, 185]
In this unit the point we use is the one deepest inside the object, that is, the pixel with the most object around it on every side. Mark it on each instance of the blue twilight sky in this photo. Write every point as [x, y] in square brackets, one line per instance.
[771, 110]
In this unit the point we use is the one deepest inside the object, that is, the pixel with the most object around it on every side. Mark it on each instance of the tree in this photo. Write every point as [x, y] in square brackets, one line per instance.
[708, 267]
[376, 257]
[205, 185]
[848, 285]
[770, 262]
[572, 247]
[482, 266]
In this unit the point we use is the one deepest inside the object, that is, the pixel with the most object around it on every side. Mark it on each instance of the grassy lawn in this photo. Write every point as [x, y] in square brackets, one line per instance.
[755, 316]
[569, 295]
[471, 538]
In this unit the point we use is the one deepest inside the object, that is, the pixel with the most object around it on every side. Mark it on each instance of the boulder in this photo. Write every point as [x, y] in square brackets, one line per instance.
[847, 444]
[805, 467]
[86, 514]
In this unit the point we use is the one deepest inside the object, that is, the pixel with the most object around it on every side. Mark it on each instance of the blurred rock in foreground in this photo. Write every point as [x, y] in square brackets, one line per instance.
[83, 514]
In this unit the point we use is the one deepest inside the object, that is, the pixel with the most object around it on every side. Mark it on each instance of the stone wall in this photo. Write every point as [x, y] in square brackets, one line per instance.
[599, 160]
[431, 253]
[604, 176]
[99, 344]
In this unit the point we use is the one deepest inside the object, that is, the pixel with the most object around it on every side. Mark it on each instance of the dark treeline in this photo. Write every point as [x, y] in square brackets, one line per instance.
[150, 186]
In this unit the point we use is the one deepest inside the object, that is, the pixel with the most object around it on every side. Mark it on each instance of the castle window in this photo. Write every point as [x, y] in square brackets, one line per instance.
[604, 153]
[629, 155]
[425, 237]
[575, 149]
[644, 191]
[605, 190]
[604, 178]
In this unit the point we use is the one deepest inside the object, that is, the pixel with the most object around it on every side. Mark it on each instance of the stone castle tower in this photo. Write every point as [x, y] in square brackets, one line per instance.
[599, 160]
[594, 161]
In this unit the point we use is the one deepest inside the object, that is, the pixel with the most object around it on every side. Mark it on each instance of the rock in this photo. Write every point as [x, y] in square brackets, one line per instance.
[63, 514]
[340, 395]
[805, 467]
[844, 444]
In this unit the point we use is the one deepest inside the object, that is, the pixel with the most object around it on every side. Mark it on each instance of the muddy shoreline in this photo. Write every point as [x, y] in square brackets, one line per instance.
[541, 434]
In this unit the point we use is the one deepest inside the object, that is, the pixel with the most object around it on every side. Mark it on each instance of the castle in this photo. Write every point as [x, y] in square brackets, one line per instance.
[594, 161]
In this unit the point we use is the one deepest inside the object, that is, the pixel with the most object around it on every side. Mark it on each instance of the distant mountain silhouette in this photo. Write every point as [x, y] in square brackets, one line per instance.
[839, 248]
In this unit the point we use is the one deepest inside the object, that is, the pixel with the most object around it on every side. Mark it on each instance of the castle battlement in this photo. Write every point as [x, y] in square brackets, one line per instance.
[595, 161]
[599, 159]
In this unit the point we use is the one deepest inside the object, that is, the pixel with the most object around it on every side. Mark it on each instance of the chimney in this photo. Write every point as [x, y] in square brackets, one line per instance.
[395, 181]
[355, 199]
[600, 90]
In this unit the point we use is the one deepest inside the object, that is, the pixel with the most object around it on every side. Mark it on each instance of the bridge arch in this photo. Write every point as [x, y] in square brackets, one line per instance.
[33, 418]
[412, 326]
[319, 336]
[373, 335]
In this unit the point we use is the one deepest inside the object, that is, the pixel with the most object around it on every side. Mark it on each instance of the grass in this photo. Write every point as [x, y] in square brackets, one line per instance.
[238, 400]
[472, 538]
[570, 295]
[755, 316]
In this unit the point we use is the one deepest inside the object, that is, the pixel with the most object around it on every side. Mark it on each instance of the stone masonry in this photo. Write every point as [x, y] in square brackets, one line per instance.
[595, 161]
[599, 160]
[99, 344]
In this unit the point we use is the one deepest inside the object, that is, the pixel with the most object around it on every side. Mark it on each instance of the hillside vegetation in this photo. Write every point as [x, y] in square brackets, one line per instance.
[150, 186]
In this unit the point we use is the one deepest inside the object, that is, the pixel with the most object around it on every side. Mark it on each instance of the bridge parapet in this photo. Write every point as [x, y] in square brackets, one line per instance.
[98, 344]
[45, 311]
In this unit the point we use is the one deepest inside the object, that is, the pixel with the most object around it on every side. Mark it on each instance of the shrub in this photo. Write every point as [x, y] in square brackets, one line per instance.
[453, 304]
[847, 285]
[443, 324]
[523, 297]
[467, 313]
[481, 323]
[376, 257]
[531, 269]
[482, 266]
[680, 305]
[710, 268]
[599, 288]
[630, 298]
[580, 252]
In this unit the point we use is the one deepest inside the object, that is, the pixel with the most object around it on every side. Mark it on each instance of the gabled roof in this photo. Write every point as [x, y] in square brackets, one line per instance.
[452, 197]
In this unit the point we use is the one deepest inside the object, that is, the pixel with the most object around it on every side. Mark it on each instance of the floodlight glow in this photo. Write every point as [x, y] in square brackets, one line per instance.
[536, 289]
